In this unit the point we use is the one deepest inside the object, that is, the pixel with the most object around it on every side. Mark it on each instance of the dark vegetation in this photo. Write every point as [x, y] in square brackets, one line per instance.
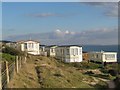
[117, 82]
[12, 51]
[112, 69]
[8, 57]
[85, 65]
[108, 71]
[9, 53]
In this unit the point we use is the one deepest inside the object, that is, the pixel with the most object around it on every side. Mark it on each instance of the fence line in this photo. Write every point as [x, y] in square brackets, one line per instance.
[7, 70]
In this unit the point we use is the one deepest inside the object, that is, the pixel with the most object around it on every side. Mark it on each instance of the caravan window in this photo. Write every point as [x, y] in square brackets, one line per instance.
[68, 52]
[109, 56]
[76, 51]
[80, 51]
[72, 51]
[25, 45]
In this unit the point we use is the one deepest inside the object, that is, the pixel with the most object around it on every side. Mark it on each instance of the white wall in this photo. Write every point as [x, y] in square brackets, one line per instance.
[75, 54]
[95, 56]
[101, 56]
[22, 47]
[32, 47]
[51, 51]
[72, 56]
[107, 57]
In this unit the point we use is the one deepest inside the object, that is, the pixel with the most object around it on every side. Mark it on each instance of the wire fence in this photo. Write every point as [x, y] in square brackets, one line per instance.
[8, 69]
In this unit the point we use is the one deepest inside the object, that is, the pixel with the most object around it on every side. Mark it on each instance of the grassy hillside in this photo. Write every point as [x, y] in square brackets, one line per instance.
[54, 74]
[47, 72]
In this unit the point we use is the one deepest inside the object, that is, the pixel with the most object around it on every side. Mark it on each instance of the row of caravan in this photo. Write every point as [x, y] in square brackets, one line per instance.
[66, 53]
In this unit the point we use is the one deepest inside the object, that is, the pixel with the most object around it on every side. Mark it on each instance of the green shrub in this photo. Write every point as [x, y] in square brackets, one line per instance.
[119, 68]
[90, 65]
[112, 69]
[85, 65]
[103, 70]
[89, 72]
[113, 72]
[7, 57]
[78, 65]
[12, 51]
[117, 82]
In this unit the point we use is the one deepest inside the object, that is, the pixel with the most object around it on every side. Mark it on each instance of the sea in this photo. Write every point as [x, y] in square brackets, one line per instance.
[111, 48]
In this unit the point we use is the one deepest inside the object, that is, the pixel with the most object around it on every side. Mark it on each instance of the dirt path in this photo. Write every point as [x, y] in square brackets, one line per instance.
[26, 78]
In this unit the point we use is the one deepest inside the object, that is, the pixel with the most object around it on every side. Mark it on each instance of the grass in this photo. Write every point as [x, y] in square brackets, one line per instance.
[61, 78]
[8, 57]
[55, 74]
[47, 72]
[101, 85]
[85, 65]
[104, 76]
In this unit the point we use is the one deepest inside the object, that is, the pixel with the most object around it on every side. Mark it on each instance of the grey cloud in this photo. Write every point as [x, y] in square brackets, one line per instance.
[103, 4]
[96, 3]
[96, 36]
[100, 33]
[110, 8]
[101, 36]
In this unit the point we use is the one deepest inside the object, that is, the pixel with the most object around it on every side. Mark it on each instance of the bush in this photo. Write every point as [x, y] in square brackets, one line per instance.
[117, 82]
[90, 65]
[77, 65]
[12, 51]
[7, 57]
[113, 72]
[104, 70]
[119, 68]
[89, 72]
[85, 65]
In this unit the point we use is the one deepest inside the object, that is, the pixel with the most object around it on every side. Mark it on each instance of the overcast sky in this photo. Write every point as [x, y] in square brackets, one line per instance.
[98, 21]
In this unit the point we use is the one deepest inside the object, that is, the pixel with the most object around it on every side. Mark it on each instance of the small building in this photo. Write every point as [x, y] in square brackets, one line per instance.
[103, 56]
[8, 43]
[85, 56]
[30, 46]
[12, 44]
[51, 50]
[42, 50]
[69, 53]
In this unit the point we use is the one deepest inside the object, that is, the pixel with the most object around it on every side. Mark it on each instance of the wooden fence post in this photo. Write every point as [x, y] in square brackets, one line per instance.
[0, 76]
[20, 61]
[25, 59]
[7, 71]
[14, 67]
[16, 64]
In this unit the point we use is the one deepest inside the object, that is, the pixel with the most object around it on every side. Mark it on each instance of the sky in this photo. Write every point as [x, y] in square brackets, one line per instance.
[22, 18]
